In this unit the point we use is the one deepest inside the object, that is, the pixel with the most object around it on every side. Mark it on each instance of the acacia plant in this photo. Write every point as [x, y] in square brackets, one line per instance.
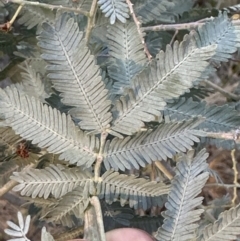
[103, 100]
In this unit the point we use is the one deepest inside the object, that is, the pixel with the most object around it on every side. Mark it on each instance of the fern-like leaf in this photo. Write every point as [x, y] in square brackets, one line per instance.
[226, 228]
[216, 118]
[138, 192]
[20, 231]
[32, 83]
[83, 4]
[115, 9]
[33, 16]
[46, 127]
[180, 216]
[73, 203]
[169, 77]
[126, 52]
[224, 33]
[46, 236]
[152, 10]
[75, 74]
[53, 180]
[160, 144]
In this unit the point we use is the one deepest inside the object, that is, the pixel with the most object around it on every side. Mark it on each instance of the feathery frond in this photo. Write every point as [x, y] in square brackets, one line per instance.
[46, 127]
[126, 52]
[181, 216]
[46, 236]
[19, 231]
[138, 192]
[169, 77]
[114, 9]
[74, 73]
[83, 4]
[224, 33]
[216, 118]
[33, 16]
[72, 203]
[226, 228]
[154, 10]
[160, 144]
[32, 83]
[53, 180]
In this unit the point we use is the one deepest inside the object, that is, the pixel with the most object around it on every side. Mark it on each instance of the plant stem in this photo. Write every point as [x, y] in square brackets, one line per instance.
[138, 24]
[222, 91]
[93, 227]
[98, 163]
[173, 27]
[235, 181]
[162, 167]
[49, 6]
[91, 20]
[223, 135]
[7, 187]
[15, 15]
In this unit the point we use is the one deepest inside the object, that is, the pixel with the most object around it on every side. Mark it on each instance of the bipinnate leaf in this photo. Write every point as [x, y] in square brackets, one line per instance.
[215, 118]
[225, 228]
[181, 215]
[19, 231]
[53, 180]
[114, 9]
[72, 203]
[46, 127]
[138, 192]
[127, 57]
[74, 73]
[152, 145]
[223, 32]
[168, 77]
[46, 236]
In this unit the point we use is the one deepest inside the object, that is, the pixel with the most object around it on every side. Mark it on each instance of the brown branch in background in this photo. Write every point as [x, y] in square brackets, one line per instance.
[91, 20]
[163, 168]
[182, 26]
[93, 226]
[7, 187]
[173, 27]
[49, 6]
[221, 135]
[222, 91]
[138, 24]
[70, 234]
[7, 26]
[235, 171]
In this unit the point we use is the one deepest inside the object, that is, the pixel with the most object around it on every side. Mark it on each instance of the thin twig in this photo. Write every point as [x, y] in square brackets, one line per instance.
[173, 27]
[164, 169]
[138, 24]
[49, 6]
[182, 26]
[222, 91]
[15, 15]
[235, 171]
[222, 135]
[91, 20]
[173, 37]
[7, 187]
[223, 185]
